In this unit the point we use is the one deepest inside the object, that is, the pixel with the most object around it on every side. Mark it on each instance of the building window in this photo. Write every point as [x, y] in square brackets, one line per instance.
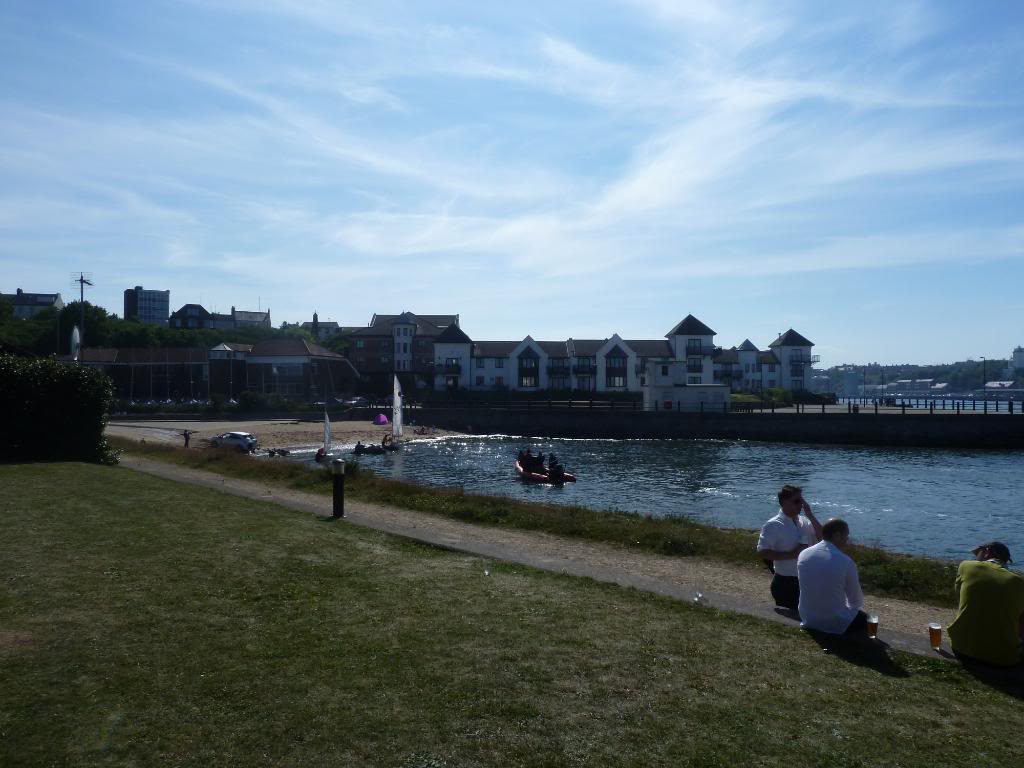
[615, 362]
[664, 370]
[499, 381]
[480, 363]
[499, 363]
[405, 347]
[359, 343]
[615, 381]
[693, 379]
[771, 369]
[479, 381]
[528, 363]
[527, 381]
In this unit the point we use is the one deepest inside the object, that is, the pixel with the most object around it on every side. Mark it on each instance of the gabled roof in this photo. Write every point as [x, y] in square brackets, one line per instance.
[143, 355]
[453, 335]
[249, 316]
[690, 326]
[554, 348]
[322, 324]
[230, 346]
[290, 348]
[23, 299]
[748, 346]
[767, 357]
[616, 351]
[791, 339]
[726, 356]
[585, 347]
[493, 348]
[426, 325]
[440, 321]
[650, 347]
[97, 355]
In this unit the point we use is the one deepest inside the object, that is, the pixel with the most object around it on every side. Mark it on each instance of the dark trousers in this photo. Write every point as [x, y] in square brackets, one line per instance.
[859, 625]
[786, 591]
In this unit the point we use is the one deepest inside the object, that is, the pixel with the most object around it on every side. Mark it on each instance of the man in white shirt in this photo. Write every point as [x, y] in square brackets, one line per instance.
[783, 538]
[830, 594]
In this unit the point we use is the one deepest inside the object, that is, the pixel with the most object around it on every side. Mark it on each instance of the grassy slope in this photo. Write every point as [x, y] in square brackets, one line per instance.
[148, 623]
[882, 573]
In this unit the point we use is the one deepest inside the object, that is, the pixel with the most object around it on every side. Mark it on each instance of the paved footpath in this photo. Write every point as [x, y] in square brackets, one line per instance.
[726, 586]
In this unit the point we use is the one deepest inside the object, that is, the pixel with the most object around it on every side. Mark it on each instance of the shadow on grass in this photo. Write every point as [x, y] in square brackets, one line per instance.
[1008, 680]
[872, 654]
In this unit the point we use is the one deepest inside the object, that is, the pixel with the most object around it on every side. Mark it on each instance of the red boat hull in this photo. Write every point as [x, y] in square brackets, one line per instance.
[538, 477]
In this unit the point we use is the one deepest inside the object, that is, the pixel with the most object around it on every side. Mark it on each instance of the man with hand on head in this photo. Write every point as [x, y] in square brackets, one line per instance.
[989, 624]
[782, 540]
[830, 594]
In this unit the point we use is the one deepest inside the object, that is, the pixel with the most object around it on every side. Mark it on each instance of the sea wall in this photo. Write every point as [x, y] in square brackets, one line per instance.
[917, 430]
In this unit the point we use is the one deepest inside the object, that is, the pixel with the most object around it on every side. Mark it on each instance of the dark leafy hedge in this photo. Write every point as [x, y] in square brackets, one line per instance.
[53, 411]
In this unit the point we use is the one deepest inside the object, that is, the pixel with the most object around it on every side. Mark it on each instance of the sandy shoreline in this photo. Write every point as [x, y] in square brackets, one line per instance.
[292, 434]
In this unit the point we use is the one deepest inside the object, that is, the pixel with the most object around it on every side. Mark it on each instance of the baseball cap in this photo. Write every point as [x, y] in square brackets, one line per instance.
[997, 548]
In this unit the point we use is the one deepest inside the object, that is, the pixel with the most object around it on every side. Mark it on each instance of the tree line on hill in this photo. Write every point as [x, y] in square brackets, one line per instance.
[49, 332]
[961, 376]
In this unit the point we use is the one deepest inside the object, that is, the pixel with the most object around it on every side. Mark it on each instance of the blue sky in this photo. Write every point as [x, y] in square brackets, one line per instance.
[853, 170]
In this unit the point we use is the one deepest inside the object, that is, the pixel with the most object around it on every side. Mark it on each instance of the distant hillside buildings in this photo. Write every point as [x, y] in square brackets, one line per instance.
[196, 316]
[28, 304]
[147, 306]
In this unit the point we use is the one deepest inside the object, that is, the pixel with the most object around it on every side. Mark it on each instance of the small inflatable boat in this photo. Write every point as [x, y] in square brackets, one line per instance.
[543, 477]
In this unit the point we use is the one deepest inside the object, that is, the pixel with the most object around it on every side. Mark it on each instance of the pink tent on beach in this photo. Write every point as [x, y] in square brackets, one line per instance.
[380, 419]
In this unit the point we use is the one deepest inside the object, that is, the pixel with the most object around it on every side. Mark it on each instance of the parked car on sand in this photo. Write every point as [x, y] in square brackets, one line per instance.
[242, 441]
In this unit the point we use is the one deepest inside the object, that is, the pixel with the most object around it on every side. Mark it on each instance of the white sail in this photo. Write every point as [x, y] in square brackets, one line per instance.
[396, 412]
[327, 432]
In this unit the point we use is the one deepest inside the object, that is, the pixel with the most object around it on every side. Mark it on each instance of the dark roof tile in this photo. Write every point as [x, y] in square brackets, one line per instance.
[690, 326]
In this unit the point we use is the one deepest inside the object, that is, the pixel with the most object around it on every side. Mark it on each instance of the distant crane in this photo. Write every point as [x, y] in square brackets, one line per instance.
[83, 279]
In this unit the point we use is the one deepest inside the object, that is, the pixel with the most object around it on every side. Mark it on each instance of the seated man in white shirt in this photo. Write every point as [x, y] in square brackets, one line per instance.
[830, 595]
[783, 538]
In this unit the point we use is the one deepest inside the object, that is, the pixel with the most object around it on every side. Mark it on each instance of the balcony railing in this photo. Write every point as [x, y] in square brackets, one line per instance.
[452, 368]
[803, 358]
[702, 349]
[584, 370]
[558, 370]
[728, 375]
[694, 367]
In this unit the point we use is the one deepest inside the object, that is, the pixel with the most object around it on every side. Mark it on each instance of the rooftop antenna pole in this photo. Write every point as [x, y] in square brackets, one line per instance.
[83, 279]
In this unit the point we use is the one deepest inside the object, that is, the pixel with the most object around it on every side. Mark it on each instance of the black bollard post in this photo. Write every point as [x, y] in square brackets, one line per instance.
[338, 477]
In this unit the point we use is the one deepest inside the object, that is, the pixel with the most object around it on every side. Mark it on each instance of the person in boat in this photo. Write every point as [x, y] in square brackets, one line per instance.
[521, 457]
[386, 441]
[526, 462]
[538, 463]
[320, 453]
[555, 469]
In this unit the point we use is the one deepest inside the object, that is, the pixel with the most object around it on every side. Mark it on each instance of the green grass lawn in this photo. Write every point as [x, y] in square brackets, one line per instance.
[920, 579]
[144, 622]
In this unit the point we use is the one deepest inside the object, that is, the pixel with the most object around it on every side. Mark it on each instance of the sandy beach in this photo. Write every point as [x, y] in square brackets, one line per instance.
[292, 434]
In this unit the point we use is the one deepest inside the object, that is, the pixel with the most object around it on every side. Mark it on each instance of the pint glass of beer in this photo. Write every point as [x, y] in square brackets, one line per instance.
[872, 626]
[935, 635]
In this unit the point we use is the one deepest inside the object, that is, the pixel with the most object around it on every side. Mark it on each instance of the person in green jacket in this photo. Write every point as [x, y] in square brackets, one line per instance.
[989, 624]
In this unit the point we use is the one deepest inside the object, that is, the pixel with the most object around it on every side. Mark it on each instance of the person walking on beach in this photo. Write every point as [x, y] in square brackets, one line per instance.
[989, 624]
[187, 434]
[782, 540]
[830, 595]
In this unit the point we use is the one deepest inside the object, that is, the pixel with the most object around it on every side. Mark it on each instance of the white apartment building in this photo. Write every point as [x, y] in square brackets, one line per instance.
[686, 356]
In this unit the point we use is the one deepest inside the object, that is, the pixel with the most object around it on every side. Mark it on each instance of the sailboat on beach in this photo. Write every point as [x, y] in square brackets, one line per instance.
[325, 449]
[396, 417]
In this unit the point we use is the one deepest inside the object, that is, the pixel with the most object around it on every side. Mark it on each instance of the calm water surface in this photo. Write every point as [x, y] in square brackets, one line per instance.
[922, 501]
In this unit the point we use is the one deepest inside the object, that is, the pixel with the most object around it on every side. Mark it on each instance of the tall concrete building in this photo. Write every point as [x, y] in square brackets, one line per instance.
[147, 306]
